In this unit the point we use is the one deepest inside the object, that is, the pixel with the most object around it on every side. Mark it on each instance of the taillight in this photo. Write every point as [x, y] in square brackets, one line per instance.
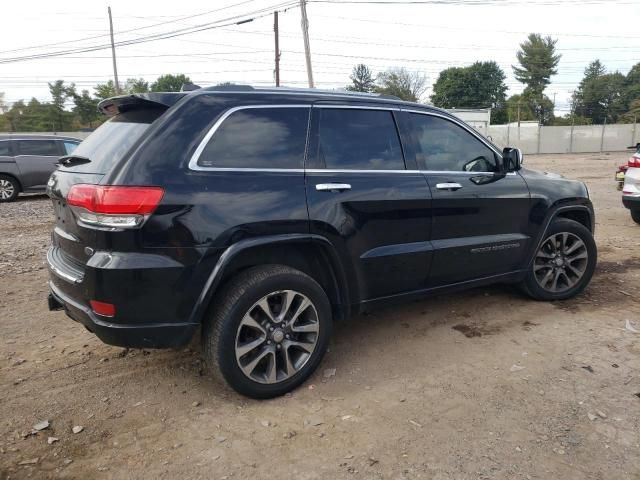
[108, 206]
[634, 161]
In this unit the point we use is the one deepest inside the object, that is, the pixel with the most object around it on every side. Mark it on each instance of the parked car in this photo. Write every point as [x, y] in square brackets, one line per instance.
[631, 189]
[260, 216]
[27, 161]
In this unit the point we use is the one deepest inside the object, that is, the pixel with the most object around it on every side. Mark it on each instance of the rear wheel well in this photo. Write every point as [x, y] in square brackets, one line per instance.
[305, 257]
[579, 215]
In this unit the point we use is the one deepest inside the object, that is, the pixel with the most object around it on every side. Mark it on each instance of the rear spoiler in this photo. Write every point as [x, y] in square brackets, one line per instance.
[114, 105]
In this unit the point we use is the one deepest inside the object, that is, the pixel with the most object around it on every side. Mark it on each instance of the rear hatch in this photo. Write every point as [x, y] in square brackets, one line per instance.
[89, 163]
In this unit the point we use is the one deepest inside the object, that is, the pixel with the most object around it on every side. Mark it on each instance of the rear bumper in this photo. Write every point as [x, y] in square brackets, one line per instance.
[161, 335]
[631, 202]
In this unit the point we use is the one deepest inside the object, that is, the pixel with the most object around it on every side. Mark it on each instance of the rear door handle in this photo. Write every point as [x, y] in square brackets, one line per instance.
[448, 186]
[332, 187]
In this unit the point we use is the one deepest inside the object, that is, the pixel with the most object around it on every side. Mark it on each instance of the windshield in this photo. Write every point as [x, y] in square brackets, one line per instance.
[112, 140]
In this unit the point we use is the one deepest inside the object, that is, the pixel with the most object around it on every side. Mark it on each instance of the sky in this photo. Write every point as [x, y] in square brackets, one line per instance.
[425, 36]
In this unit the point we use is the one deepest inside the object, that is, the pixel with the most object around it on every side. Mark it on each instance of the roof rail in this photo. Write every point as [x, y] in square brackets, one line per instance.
[230, 87]
[247, 88]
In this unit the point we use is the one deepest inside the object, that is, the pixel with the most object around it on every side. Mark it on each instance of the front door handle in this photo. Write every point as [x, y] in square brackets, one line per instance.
[332, 187]
[448, 186]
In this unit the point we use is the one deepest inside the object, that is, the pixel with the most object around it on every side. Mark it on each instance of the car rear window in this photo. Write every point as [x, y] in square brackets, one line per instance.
[112, 140]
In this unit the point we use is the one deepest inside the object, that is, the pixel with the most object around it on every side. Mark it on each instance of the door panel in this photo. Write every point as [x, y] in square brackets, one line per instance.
[378, 219]
[480, 214]
[479, 229]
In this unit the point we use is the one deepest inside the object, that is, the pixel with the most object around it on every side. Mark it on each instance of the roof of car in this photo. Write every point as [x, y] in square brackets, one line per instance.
[35, 136]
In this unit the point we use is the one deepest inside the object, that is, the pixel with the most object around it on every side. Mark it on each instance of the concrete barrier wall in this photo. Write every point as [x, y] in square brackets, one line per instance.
[576, 139]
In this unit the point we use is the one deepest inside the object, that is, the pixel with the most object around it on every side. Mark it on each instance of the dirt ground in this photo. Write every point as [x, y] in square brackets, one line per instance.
[481, 385]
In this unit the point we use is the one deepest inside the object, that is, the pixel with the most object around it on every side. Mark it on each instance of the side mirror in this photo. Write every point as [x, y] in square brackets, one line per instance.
[512, 158]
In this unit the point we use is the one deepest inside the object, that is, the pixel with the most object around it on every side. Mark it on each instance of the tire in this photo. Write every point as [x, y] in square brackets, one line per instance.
[569, 271]
[9, 188]
[235, 338]
[635, 215]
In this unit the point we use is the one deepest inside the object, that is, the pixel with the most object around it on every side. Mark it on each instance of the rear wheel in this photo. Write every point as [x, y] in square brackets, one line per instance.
[268, 330]
[635, 215]
[9, 188]
[564, 262]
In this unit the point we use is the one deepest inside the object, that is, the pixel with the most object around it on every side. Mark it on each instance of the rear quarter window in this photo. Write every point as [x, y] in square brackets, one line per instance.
[5, 149]
[265, 137]
[38, 148]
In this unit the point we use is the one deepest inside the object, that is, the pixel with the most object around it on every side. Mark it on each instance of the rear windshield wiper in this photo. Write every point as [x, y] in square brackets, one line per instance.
[70, 160]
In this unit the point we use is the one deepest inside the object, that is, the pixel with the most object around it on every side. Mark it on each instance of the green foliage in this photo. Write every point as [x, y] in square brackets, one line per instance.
[105, 90]
[402, 83]
[480, 85]
[136, 85]
[607, 96]
[361, 79]
[538, 62]
[61, 119]
[86, 109]
[527, 107]
[169, 83]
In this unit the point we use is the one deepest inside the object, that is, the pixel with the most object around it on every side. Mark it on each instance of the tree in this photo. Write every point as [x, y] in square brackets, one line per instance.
[61, 119]
[169, 83]
[136, 85]
[478, 85]
[361, 79]
[603, 96]
[105, 90]
[527, 107]
[402, 83]
[86, 108]
[3, 105]
[538, 62]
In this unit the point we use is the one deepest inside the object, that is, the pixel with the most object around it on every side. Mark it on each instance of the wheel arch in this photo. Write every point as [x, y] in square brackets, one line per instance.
[311, 254]
[583, 214]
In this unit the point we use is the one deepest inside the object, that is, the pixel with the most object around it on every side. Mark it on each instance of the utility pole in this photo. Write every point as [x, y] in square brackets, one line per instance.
[113, 53]
[275, 31]
[305, 35]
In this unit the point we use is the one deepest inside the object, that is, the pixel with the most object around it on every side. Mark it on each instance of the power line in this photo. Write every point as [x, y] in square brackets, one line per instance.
[236, 20]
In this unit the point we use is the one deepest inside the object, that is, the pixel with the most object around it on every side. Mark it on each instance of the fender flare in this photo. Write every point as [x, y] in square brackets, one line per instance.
[553, 214]
[226, 258]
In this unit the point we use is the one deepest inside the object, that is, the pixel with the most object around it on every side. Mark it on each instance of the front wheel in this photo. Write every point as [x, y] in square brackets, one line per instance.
[635, 215]
[564, 262]
[268, 330]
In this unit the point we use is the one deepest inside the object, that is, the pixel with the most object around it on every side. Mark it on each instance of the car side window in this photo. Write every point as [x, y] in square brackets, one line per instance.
[69, 147]
[259, 138]
[358, 139]
[38, 148]
[5, 149]
[443, 145]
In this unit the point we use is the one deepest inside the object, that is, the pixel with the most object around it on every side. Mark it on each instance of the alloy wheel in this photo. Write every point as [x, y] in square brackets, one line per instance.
[6, 189]
[560, 262]
[277, 336]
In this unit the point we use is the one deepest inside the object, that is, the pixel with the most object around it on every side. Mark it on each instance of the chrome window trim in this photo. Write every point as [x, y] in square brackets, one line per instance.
[355, 107]
[193, 162]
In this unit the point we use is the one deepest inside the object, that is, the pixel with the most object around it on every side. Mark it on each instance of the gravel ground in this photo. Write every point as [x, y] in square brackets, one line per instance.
[480, 385]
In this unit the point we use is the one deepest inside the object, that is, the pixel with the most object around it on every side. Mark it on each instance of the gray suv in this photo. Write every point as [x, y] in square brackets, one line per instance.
[27, 161]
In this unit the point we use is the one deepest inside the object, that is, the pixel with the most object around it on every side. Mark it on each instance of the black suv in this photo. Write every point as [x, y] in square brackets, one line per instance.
[260, 216]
